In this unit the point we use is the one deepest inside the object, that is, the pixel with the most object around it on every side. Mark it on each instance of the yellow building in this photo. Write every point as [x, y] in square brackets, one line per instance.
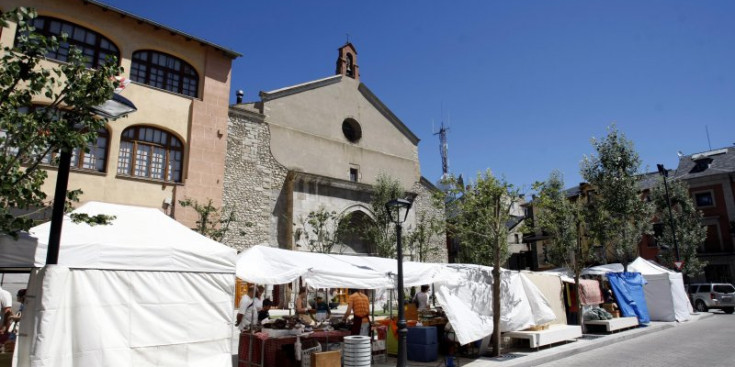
[174, 146]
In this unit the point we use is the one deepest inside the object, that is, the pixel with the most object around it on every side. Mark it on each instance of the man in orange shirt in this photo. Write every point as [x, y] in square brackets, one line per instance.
[358, 304]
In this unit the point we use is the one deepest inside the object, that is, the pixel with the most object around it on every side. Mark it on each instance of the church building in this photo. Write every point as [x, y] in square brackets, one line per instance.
[319, 144]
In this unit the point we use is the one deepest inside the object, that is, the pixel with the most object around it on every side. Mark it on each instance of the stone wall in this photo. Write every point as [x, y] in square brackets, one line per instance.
[253, 181]
[424, 203]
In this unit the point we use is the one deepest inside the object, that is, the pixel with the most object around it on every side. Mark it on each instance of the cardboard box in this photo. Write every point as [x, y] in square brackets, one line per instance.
[326, 359]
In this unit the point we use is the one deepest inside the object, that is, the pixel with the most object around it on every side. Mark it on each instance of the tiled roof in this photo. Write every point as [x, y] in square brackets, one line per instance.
[650, 179]
[713, 162]
[230, 53]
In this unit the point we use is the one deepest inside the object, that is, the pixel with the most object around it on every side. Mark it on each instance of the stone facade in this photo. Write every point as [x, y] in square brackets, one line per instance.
[253, 180]
[320, 144]
[255, 189]
[423, 203]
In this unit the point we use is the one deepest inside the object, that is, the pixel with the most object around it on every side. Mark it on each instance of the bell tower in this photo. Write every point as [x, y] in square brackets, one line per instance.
[347, 62]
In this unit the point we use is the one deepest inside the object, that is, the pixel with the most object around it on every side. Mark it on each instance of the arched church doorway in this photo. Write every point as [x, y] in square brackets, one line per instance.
[353, 233]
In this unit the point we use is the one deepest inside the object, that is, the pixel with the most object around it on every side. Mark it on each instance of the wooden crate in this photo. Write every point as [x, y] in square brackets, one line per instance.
[326, 359]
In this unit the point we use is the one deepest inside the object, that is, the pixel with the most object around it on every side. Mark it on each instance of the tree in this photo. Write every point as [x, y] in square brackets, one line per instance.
[382, 232]
[322, 231]
[480, 214]
[29, 136]
[620, 216]
[687, 222]
[419, 236]
[563, 220]
[213, 222]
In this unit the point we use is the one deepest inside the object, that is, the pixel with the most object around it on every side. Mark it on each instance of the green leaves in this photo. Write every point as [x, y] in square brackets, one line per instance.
[382, 231]
[322, 230]
[420, 235]
[28, 133]
[617, 216]
[562, 220]
[478, 217]
[213, 222]
[687, 222]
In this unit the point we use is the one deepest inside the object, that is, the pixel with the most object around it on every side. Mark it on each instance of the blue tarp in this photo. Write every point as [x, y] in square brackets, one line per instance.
[628, 290]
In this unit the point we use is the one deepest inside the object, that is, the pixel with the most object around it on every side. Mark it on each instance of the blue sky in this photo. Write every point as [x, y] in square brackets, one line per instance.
[523, 85]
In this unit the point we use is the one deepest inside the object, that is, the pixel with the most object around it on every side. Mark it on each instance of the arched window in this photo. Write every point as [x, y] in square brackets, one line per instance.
[94, 46]
[164, 71]
[95, 159]
[151, 153]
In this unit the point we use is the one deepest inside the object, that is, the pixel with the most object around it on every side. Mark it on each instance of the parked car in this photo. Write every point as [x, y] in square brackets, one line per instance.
[712, 295]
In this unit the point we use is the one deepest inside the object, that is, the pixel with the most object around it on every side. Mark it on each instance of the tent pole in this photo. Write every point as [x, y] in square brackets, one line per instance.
[372, 294]
[390, 304]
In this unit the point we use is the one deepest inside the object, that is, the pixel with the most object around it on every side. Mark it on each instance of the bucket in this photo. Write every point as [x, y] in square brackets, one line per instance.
[356, 351]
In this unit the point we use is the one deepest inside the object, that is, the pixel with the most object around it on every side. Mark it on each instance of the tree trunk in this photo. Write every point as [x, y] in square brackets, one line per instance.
[496, 280]
[578, 264]
[496, 303]
[578, 295]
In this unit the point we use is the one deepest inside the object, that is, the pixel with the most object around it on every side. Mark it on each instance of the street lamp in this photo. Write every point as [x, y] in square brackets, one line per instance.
[114, 108]
[398, 212]
[663, 172]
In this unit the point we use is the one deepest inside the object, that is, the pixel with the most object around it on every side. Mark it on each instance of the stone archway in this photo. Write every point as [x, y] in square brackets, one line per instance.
[353, 228]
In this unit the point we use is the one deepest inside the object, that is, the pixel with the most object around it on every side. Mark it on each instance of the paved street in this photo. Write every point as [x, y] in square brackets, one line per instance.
[707, 342]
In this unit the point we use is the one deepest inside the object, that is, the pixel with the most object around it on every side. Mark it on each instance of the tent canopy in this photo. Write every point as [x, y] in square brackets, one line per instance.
[665, 294]
[268, 265]
[143, 290]
[464, 291]
[137, 239]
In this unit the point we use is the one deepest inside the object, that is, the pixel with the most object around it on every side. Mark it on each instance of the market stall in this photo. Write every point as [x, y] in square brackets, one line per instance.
[144, 290]
[664, 292]
[628, 290]
[462, 291]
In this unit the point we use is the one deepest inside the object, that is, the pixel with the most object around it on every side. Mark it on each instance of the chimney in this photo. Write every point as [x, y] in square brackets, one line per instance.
[240, 93]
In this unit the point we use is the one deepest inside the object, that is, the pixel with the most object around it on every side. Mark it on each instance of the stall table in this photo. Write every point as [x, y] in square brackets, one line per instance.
[264, 351]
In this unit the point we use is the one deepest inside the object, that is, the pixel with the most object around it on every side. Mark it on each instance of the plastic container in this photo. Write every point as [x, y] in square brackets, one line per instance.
[356, 351]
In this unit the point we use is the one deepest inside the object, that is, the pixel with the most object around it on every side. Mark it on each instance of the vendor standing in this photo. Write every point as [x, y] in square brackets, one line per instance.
[302, 307]
[422, 298]
[359, 305]
[247, 313]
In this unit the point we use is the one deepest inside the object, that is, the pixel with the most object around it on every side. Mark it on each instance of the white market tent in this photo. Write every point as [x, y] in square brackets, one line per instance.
[463, 291]
[665, 294]
[142, 291]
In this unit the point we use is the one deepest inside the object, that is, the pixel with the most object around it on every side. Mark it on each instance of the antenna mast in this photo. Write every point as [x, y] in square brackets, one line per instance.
[443, 148]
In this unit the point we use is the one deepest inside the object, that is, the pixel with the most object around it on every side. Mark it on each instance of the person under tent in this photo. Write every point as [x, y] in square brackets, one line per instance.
[359, 305]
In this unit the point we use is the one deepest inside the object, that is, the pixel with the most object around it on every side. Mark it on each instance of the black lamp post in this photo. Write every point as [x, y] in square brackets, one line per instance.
[398, 211]
[113, 108]
[663, 172]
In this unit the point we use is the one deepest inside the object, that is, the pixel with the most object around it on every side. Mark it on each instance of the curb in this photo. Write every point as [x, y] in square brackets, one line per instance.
[606, 341]
[560, 351]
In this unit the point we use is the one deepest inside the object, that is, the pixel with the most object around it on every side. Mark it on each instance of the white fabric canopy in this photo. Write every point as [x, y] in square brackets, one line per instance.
[666, 297]
[267, 265]
[566, 274]
[463, 291]
[138, 239]
[550, 284]
[142, 291]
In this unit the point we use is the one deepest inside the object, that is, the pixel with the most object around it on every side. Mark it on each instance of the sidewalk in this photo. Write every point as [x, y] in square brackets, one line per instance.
[527, 357]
